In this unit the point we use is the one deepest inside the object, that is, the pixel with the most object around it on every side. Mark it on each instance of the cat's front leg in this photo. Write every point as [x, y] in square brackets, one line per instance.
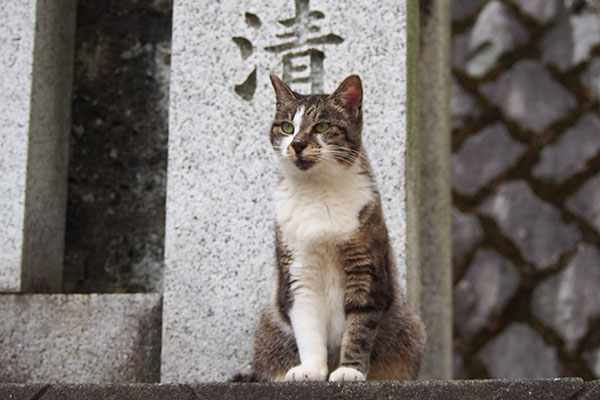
[368, 292]
[357, 344]
[310, 332]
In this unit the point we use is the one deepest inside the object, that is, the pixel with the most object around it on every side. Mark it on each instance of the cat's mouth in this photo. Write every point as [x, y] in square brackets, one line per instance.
[302, 163]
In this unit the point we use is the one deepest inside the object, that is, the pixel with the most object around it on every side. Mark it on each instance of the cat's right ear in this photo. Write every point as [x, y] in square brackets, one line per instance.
[283, 93]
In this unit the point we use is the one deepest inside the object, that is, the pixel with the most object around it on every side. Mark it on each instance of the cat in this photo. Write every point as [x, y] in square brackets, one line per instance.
[337, 313]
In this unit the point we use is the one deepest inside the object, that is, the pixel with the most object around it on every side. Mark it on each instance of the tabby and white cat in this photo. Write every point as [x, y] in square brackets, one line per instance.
[337, 313]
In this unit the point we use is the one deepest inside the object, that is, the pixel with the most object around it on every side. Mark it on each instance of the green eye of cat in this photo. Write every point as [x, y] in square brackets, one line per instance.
[322, 127]
[287, 128]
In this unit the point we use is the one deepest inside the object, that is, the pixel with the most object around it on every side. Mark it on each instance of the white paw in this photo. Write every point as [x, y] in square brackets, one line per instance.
[306, 373]
[346, 374]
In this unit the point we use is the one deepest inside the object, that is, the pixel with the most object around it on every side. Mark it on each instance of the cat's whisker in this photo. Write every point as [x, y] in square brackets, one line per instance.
[342, 155]
[354, 153]
[345, 150]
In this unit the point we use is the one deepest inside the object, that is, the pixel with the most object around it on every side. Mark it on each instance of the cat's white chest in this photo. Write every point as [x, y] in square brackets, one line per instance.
[312, 213]
[314, 218]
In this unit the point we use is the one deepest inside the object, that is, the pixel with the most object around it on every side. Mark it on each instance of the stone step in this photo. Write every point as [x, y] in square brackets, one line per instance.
[542, 389]
[80, 338]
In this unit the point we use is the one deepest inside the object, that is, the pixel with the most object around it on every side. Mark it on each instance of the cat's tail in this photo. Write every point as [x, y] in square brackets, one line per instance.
[249, 377]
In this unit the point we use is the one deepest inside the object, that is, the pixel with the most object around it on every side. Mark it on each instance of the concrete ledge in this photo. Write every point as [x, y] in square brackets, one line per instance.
[542, 389]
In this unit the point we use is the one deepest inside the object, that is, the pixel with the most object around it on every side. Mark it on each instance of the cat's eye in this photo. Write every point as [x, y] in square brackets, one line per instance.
[322, 127]
[287, 128]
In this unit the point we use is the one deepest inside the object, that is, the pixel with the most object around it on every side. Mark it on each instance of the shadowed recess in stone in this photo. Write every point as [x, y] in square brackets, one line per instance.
[252, 20]
[245, 46]
[570, 300]
[528, 95]
[534, 226]
[486, 287]
[118, 147]
[494, 145]
[519, 352]
[246, 90]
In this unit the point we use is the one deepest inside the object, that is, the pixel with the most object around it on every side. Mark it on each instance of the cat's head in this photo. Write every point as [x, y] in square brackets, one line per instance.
[318, 131]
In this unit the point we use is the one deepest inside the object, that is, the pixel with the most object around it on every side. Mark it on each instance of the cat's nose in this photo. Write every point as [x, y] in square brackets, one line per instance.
[298, 145]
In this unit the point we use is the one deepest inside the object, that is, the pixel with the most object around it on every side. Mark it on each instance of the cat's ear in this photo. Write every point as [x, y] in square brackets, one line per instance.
[349, 93]
[283, 93]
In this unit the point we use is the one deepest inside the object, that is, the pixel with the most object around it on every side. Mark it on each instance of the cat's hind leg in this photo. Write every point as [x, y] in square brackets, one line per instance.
[275, 350]
[398, 346]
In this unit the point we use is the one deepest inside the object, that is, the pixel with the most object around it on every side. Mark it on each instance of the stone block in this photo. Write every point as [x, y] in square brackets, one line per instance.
[591, 78]
[528, 95]
[489, 152]
[464, 8]
[571, 40]
[463, 106]
[569, 154]
[80, 338]
[543, 11]
[593, 360]
[36, 56]
[458, 366]
[221, 169]
[466, 233]
[460, 49]
[534, 226]
[519, 352]
[488, 284]
[584, 202]
[497, 31]
[568, 301]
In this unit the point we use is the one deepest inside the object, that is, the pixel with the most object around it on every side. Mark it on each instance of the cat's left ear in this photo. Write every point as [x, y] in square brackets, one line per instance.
[349, 94]
[283, 93]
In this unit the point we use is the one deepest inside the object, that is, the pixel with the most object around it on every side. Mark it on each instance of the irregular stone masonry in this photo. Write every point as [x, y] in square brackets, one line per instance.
[527, 193]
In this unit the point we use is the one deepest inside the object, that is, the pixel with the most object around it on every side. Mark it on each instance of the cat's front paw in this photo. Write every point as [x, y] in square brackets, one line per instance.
[306, 373]
[345, 374]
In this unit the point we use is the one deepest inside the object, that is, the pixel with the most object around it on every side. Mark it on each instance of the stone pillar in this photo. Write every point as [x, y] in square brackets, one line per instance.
[36, 58]
[219, 239]
[435, 192]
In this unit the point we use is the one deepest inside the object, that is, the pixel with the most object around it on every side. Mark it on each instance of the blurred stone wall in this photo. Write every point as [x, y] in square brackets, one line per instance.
[526, 189]
[118, 147]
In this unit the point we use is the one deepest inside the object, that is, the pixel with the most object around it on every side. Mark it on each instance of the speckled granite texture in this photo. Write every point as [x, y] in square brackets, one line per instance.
[221, 170]
[80, 338]
[36, 52]
[557, 389]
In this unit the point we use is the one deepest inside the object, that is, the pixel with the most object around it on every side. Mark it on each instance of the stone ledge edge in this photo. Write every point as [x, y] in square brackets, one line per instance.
[546, 389]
